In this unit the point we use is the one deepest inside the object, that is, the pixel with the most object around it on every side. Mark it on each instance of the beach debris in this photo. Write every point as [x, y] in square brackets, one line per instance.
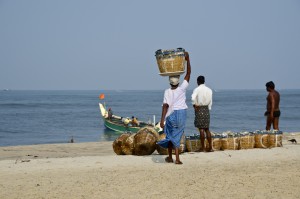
[294, 141]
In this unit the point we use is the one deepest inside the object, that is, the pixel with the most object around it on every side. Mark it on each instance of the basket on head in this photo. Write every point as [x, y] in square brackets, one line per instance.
[145, 141]
[128, 145]
[117, 144]
[170, 62]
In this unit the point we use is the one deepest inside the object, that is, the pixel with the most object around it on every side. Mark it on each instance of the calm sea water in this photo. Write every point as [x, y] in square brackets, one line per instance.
[38, 117]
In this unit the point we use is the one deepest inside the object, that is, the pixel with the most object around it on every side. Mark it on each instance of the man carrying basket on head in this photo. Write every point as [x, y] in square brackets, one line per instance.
[174, 112]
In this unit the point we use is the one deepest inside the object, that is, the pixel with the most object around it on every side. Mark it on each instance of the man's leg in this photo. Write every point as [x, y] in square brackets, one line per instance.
[269, 122]
[202, 139]
[276, 123]
[177, 161]
[169, 158]
[208, 136]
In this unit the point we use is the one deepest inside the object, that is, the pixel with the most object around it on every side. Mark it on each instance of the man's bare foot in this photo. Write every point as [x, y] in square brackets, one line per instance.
[169, 160]
[178, 162]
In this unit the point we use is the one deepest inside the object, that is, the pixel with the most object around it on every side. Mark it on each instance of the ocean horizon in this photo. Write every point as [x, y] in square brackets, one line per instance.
[55, 116]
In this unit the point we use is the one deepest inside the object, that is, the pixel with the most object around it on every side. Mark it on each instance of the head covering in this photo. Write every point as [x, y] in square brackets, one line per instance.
[174, 80]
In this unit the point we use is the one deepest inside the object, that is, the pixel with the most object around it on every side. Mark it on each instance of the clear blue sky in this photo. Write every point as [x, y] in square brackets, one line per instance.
[71, 44]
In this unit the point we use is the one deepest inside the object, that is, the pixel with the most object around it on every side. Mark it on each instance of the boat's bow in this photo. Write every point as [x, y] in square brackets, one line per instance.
[103, 111]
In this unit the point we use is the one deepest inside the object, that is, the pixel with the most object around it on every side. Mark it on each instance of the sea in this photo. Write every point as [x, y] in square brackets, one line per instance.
[29, 117]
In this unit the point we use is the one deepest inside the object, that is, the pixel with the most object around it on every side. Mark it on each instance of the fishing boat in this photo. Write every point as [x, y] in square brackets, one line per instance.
[115, 122]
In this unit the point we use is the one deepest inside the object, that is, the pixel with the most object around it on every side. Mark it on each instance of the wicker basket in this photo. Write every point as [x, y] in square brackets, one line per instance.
[230, 143]
[261, 140]
[145, 141]
[192, 143]
[118, 143]
[216, 144]
[246, 142]
[275, 140]
[128, 145]
[170, 62]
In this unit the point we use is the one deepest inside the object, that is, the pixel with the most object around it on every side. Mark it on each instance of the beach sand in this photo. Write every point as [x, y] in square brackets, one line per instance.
[92, 170]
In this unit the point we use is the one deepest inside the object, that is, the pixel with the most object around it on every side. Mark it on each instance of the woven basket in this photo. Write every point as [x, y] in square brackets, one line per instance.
[262, 141]
[192, 144]
[145, 141]
[275, 140]
[246, 142]
[216, 144]
[117, 144]
[128, 145]
[170, 62]
[230, 143]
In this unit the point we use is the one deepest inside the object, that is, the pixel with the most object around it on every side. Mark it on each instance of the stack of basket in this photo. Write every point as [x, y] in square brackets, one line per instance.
[193, 142]
[268, 139]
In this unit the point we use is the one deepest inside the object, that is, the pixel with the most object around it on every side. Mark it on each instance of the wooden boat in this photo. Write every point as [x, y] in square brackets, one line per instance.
[115, 123]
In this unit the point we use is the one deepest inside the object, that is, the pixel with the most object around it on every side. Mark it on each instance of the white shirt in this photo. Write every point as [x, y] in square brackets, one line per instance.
[202, 96]
[176, 98]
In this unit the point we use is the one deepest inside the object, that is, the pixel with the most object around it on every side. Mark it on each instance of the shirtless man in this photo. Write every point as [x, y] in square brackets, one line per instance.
[273, 111]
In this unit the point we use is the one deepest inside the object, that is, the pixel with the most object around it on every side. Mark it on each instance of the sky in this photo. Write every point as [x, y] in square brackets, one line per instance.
[110, 45]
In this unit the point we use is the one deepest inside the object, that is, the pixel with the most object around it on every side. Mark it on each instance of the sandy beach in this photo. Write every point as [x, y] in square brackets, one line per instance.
[92, 170]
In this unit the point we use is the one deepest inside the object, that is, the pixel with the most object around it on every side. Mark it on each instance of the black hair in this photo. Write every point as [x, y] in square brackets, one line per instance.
[201, 79]
[270, 84]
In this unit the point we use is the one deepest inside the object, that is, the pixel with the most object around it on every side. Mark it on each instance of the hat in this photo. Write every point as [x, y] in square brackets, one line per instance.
[174, 80]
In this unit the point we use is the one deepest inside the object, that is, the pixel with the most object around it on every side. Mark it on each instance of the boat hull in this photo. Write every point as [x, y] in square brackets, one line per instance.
[119, 128]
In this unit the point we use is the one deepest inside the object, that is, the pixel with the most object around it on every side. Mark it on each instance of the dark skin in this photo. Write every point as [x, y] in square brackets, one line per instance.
[165, 108]
[202, 131]
[273, 101]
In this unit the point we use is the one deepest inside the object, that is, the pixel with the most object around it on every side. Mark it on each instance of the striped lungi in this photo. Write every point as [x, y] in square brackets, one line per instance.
[202, 117]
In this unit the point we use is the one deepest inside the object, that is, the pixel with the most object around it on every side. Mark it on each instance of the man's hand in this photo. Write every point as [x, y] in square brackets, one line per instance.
[162, 124]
